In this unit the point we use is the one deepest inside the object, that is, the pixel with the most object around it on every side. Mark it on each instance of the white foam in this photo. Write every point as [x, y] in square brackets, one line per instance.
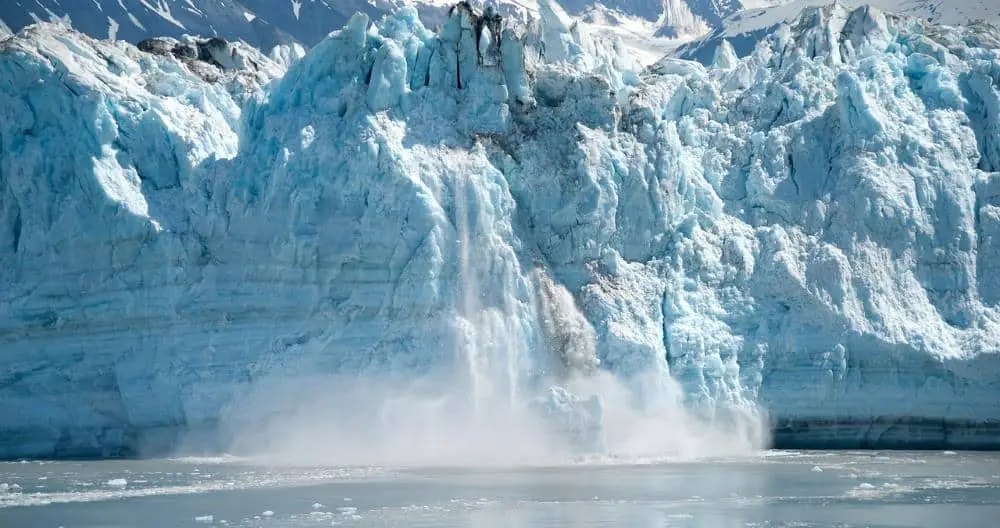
[207, 460]
[264, 480]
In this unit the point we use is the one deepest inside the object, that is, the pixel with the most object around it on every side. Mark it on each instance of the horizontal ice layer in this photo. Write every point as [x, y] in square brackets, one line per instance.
[812, 228]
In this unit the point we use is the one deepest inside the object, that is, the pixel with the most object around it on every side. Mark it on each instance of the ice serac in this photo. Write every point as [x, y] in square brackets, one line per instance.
[812, 228]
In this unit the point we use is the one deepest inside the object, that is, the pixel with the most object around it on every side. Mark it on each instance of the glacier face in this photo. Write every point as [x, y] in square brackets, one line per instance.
[812, 229]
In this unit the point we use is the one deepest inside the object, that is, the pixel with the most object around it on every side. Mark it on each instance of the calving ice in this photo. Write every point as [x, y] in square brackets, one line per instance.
[513, 236]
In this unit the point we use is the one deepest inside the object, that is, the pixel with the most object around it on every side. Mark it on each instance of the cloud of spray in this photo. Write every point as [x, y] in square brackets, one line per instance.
[364, 421]
[666, 429]
[486, 410]
[330, 420]
[660, 427]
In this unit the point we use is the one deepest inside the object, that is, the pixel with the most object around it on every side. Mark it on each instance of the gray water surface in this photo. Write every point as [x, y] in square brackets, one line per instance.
[777, 488]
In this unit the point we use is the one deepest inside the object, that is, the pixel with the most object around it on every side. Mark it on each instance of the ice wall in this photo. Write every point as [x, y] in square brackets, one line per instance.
[108, 336]
[811, 228]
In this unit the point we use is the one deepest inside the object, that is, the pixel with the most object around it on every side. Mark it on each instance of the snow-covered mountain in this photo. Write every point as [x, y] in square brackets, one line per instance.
[262, 23]
[744, 29]
[197, 239]
[650, 28]
[135, 20]
[266, 23]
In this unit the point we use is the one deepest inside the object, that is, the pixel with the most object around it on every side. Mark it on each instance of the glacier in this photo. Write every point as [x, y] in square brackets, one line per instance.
[810, 232]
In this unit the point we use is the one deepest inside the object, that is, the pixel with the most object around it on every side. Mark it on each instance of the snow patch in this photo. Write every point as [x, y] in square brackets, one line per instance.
[135, 21]
[112, 29]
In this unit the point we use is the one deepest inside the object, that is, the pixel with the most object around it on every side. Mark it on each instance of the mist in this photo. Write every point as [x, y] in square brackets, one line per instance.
[388, 421]
[512, 395]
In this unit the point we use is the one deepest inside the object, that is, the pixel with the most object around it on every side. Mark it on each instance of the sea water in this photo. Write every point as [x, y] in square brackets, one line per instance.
[771, 489]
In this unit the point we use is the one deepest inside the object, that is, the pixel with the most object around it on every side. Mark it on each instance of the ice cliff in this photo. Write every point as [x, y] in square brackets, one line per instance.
[814, 229]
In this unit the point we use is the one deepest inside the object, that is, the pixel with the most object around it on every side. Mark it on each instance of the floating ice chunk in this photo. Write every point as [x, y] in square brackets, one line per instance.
[204, 519]
[817, 469]
[117, 483]
[267, 513]
[318, 506]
